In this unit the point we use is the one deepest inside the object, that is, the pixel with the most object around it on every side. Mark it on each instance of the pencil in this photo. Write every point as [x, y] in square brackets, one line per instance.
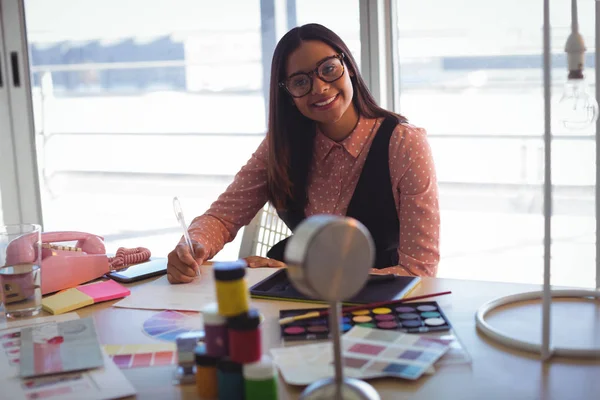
[325, 311]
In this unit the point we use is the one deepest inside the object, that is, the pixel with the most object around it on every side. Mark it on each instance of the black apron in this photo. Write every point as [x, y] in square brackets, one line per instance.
[372, 203]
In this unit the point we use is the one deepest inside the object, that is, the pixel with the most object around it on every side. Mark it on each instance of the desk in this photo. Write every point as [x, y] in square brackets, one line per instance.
[496, 372]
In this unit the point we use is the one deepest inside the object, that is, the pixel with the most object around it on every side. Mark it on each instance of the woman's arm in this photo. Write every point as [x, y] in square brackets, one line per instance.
[235, 207]
[413, 175]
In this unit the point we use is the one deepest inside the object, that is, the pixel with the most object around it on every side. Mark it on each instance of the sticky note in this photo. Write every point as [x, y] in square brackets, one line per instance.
[103, 291]
[68, 300]
[81, 296]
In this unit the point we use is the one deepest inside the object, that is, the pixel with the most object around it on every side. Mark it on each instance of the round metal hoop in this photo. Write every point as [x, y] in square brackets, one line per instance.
[496, 335]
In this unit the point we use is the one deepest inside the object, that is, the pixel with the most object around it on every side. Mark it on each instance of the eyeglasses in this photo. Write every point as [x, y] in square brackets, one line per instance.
[328, 70]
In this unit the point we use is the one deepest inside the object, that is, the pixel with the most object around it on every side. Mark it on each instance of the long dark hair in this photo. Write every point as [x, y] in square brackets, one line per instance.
[290, 134]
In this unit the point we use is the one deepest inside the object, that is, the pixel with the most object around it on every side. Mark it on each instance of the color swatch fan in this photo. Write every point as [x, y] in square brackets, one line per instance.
[167, 325]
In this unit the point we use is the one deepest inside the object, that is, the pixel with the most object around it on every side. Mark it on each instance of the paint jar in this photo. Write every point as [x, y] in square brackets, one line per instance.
[215, 331]
[230, 380]
[206, 374]
[186, 346]
[244, 337]
[260, 382]
[233, 296]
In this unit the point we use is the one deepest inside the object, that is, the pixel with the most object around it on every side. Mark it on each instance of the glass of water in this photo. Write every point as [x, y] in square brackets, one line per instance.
[20, 275]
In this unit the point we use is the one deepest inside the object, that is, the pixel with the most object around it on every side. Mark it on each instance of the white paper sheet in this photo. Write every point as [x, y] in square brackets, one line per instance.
[22, 323]
[193, 296]
[97, 384]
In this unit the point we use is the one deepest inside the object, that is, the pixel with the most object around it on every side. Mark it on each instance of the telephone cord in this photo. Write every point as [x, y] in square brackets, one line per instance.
[126, 257]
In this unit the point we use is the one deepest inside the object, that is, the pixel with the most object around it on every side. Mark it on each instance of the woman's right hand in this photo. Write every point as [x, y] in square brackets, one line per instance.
[182, 267]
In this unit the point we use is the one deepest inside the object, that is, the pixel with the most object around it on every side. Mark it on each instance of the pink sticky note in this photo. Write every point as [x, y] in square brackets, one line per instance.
[103, 291]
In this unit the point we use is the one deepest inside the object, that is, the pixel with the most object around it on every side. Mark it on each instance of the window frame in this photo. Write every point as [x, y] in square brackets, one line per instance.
[19, 176]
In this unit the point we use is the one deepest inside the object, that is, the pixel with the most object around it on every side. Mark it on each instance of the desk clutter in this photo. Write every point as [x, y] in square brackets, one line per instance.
[222, 355]
[226, 360]
[378, 341]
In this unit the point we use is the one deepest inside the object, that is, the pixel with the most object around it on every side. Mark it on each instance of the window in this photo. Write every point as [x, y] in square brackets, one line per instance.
[133, 104]
[136, 102]
[474, 81]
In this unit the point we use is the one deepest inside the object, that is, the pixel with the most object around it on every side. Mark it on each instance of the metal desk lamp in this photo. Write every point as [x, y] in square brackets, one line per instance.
[329, 258]
[586, 109]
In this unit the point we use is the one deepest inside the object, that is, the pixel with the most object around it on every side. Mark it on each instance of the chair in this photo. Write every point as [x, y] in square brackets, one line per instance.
[265, 229]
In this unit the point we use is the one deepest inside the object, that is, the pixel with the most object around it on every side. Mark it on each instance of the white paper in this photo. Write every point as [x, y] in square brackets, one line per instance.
[193, 296]
[22, 323]
[97, 384]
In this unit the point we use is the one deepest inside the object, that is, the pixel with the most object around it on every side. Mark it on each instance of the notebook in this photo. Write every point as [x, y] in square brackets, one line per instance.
[378, 288]
[84, 295]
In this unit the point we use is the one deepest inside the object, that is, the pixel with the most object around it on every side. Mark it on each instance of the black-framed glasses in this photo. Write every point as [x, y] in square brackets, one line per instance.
[328, 70]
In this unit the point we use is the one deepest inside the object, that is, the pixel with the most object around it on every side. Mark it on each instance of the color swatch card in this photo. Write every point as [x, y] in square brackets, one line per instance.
[142, 355]
[413, 317]
[59, 347]
[366, 353]
[85, 295]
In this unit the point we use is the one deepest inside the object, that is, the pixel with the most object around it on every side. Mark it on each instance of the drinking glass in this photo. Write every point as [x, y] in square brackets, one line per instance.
[20, 274]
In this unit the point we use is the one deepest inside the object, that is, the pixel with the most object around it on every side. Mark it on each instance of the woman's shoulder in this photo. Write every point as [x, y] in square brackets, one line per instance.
[408, 138]
[404, 126]
[406, 130]
[262, 151]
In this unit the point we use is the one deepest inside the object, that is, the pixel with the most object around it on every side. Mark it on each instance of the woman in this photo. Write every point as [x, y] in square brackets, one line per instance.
[330, 149]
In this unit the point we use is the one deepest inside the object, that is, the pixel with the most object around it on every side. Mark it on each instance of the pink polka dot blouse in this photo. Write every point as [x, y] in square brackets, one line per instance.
[335, 170]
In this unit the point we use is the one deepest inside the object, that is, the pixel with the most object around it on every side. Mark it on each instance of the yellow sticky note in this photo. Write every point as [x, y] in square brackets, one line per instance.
[66, 301]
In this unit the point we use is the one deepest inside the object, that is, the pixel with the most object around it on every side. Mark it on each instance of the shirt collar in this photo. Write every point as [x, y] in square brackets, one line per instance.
[353, 144]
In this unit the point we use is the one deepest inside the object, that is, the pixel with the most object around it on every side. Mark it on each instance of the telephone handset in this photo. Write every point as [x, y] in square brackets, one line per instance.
[62, 266]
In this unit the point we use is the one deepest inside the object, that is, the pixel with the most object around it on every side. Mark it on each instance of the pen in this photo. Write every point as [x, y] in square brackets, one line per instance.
[181, 219]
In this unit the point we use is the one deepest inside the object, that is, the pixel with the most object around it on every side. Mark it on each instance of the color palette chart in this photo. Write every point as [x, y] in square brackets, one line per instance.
[417, 317]
[142, 355]
[167, 325]
[366, 353]
[11, 344]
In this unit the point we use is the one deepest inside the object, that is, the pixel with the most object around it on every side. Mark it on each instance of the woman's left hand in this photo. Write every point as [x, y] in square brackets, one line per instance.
[262, 262]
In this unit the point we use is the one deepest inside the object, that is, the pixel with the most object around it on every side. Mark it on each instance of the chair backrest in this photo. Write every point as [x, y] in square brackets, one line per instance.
[265, 229]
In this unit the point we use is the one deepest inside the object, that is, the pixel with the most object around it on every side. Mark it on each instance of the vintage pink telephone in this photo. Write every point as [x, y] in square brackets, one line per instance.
[62, 266]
